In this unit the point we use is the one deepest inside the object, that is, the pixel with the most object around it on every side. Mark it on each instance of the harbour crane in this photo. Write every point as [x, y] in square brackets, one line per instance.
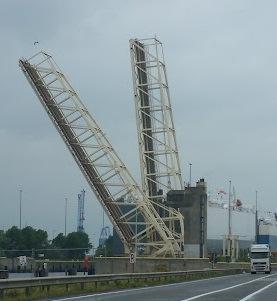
[81, 211]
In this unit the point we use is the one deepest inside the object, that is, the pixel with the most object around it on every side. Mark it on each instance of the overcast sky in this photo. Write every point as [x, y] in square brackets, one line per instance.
[222, 70]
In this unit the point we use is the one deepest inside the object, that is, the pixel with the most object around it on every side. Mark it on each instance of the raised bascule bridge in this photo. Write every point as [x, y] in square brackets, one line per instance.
[135, 212]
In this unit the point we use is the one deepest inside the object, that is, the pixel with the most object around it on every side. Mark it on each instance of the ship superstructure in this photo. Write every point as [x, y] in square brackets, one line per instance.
[243, 224]
[268, 230]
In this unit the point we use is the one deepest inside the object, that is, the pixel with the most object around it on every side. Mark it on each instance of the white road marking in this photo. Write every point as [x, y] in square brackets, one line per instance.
[225, 289]
[257, 292]
[142, 288]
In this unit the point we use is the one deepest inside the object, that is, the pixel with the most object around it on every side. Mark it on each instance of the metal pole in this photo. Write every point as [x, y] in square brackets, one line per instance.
[136, 231]
[229, 211]
[202, 220]
[20, 208]
[190, 174]
[229, 224]
[256, 219]
[65, 216]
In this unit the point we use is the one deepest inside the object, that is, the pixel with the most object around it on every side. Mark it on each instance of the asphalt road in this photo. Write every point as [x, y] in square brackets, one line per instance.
[242, 287]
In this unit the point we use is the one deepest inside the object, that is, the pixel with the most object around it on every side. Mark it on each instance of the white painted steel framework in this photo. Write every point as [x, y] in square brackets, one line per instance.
[159, 161]
[115, 188]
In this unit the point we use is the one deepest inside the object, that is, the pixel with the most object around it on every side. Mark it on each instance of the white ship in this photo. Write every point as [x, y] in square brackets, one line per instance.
[268, 230]
[243, 221]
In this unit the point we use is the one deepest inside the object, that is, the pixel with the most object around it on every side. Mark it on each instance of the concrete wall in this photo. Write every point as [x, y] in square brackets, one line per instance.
[61, 265]
[192, 250]
[233, 265]
[13, 265]
[192, 203]
[114, 265]
[122, 265]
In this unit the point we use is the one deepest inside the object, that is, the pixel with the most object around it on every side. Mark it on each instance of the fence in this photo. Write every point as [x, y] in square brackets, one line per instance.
[48, 282]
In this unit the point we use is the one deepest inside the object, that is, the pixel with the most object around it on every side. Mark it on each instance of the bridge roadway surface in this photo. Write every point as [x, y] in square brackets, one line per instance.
[241, 287]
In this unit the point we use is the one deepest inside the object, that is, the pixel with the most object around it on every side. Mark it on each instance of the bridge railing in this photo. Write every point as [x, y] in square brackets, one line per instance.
[46, 283]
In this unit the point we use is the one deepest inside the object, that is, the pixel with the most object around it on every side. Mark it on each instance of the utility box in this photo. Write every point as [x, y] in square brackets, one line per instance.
[4, 274]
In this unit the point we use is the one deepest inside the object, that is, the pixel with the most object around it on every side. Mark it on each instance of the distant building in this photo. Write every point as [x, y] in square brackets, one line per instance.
[192, 203]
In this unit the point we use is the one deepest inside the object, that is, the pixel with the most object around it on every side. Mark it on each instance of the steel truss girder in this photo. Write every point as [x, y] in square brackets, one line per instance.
[159, 161]
[106, 174]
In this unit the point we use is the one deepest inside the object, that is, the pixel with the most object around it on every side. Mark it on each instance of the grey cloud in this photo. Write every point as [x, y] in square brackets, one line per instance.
[222, 72]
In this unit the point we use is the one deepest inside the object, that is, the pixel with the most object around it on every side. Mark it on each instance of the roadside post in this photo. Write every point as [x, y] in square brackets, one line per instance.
[132, 260]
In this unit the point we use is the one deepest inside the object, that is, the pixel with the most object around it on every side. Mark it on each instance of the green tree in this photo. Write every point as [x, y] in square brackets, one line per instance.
[57, 244]
[59, 241]
[64, 245]
[25, 240]
[3, 242]
[77, 240]
[34, 239]
[106, 249]
[14, 241]
[29, 239]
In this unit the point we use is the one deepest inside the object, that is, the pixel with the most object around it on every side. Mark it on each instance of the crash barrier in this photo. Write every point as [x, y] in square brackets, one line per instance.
[48, 282]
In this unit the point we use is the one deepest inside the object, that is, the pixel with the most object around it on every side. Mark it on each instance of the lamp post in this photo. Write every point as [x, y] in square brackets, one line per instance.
[190, 174]
[20, 209]
[65, 216]
[229, 223]
[229, 211]
[136, 242]
[256, 219]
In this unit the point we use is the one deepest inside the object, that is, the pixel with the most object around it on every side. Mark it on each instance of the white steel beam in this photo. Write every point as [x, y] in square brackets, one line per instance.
[106, 174]
[158, 152]
[159, 161]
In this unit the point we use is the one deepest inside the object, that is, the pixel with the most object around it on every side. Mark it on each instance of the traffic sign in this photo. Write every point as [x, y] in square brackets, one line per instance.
[132, 257]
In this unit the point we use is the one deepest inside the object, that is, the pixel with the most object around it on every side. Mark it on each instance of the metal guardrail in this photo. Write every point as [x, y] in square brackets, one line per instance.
[47, 282]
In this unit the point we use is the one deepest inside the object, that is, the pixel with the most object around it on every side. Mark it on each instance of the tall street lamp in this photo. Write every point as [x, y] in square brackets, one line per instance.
[65, 216]
[20, 209]
[190, 174]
